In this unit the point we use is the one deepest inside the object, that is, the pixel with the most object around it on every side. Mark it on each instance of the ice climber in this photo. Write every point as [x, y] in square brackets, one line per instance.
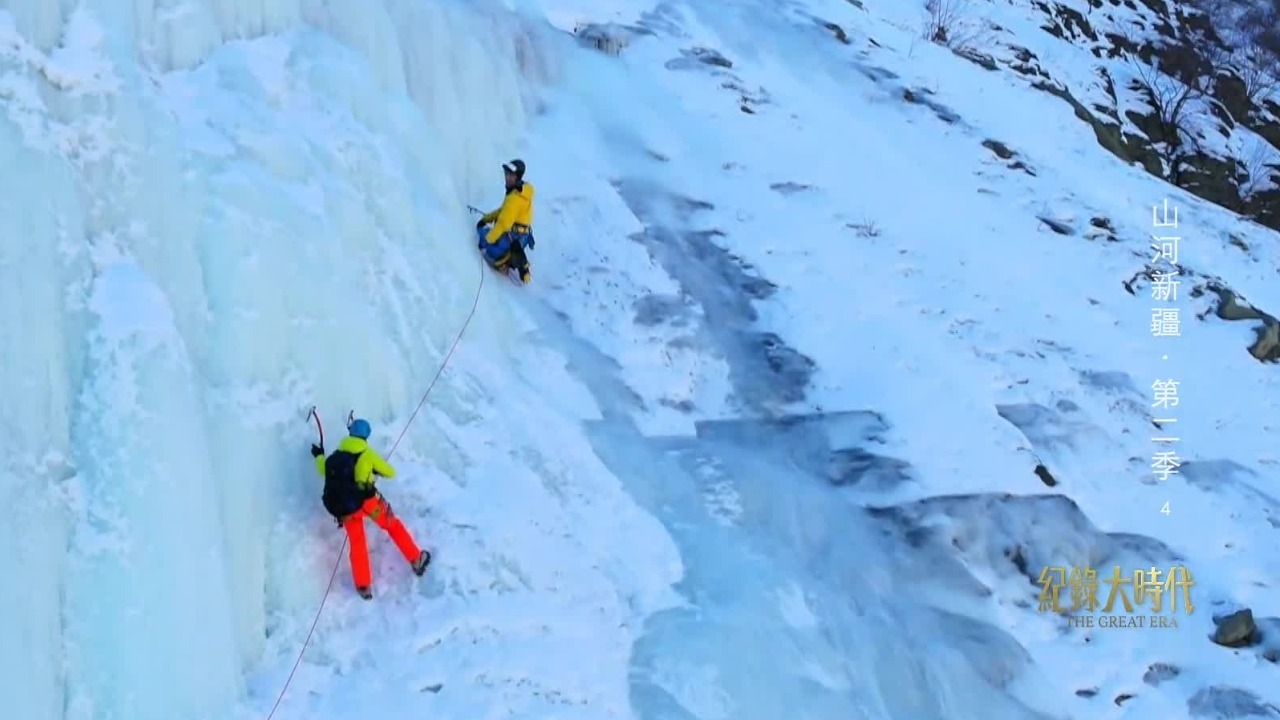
[512, 224]
[350, 496]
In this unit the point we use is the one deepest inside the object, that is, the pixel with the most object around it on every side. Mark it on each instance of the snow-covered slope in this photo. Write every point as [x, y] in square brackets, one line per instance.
[975, 315]
[760, 441]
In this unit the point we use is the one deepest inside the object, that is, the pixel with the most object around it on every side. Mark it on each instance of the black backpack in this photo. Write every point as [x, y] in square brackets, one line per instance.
[342, 496]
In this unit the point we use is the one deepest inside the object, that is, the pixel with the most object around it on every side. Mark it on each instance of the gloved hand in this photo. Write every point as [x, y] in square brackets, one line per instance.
[480, 224]
[317, 450]
[530, 242]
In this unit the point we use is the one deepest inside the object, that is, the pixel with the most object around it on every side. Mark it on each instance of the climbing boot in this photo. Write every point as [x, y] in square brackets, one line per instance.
[420, 565]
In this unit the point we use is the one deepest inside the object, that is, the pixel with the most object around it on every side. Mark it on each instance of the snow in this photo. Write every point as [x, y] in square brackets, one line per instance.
[741, 450]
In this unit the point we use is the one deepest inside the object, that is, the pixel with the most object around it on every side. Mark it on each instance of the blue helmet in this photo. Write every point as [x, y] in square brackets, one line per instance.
[359, 428]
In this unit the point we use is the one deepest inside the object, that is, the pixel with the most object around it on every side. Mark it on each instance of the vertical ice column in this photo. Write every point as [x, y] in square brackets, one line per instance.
[39, 357]
[150, 633]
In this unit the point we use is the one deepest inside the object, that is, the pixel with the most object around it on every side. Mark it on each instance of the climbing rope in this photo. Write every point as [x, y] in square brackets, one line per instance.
[338, 562]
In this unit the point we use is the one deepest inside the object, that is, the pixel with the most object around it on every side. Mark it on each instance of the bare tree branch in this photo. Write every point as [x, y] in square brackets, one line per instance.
[1261, 162]
[1253, 31]
[1259, 70]
[1175, 104]
[952, 23]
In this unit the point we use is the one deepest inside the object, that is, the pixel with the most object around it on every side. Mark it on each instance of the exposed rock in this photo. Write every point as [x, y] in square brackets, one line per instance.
[1003, 152]
[920, 96]
[1126, 146]
[980, 59]
[1121, 45]
[747, 99]
[1065, 23]
[1160, 672]
[999, 148]
[1056, 225]
[1267, 347]
[876, 73]
[1264, 207]
[1087, 692]
[1236, 630]
[609, 38]
[836, 30]
[1222, 702]
[683, 406]
[1264, 123]
[1149, 274]
[1042, 472]
[1230, 91]
[1233, 307]
[1122, 698]
[856, 467]
[706, 56]
[1212, 179]
[1226, 123]
[788, 188]
[1152, 126]
[1230, 306]
[1026, 63]
[1109, 86]
[1013, 534]
[1017, 558]
[1195, 21]
[1100, 227]
[1186, 47]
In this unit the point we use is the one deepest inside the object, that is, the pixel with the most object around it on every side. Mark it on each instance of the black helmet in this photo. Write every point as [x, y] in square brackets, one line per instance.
[515, 167]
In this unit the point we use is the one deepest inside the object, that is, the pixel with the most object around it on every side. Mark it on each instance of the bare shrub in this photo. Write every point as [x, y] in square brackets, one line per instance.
[952, 23]
[865, 229]
[1176, 104]
[1262, 27]
[1260, 161]
[1259, 70]
[1259, 65]
[1253, 33]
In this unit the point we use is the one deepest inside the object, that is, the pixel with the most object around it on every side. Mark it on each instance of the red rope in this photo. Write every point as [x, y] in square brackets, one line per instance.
[474, 304]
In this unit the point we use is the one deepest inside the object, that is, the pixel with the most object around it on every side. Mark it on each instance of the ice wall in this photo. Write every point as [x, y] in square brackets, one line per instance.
[213, 214]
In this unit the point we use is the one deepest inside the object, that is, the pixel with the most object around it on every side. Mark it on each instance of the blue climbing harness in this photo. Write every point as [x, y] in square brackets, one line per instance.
[498, 251]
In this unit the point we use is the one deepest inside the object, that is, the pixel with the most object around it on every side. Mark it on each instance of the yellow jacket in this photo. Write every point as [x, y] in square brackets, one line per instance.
[369, 464]
[517, 209]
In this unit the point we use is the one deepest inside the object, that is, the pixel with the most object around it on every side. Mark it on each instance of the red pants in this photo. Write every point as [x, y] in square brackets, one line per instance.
[379, 511]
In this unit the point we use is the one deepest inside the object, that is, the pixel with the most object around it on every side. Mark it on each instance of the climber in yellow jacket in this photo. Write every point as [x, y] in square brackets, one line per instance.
[512, 224]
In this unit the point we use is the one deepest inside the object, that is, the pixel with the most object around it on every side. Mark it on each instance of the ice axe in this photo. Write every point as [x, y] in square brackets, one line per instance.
[312, 414]
[475, 210]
